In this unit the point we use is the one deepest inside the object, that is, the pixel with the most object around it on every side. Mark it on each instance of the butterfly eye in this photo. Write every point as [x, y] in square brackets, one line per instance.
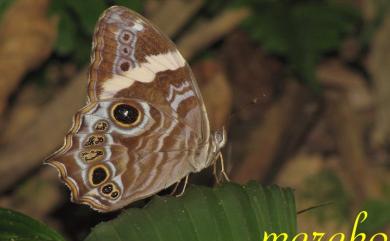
[125, 115]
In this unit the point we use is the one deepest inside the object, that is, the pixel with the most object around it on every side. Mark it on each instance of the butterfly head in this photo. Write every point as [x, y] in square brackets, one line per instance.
[219, 138]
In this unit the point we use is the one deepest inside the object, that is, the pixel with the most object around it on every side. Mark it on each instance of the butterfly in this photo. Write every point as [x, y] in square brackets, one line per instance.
[144, 126]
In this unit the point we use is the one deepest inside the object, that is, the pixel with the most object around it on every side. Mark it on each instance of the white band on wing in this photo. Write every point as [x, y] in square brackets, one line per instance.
[144, 72]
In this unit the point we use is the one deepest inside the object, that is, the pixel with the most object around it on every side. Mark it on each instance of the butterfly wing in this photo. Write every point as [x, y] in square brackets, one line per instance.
[144, 127]
[132, 58]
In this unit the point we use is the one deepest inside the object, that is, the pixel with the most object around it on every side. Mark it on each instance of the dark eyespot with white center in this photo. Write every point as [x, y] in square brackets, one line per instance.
[107, 189]
[115, 194]
[125, 115]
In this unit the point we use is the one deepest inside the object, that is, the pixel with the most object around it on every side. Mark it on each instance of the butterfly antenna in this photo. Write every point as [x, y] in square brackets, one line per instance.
[315, 207]
[246, 106]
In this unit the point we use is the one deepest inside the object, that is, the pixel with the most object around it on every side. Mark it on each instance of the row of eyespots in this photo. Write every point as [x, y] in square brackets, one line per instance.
[93, 153]
[110, 190]
[98, 175]
[125, 116]
[125, 37]
[125, 40]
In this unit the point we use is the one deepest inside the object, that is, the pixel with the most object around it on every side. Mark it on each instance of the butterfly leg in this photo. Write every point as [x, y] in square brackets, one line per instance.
[184, 187]
[175, 188]
[215, 171]
[217, 175]
[224, 174]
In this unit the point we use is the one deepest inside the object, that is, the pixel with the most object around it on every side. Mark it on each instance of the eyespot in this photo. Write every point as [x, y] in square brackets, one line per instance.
[93, 140]
[107, 189]
[98, 175]
[125, 115]
[101, 126]
[115, 194]
[125, 50]
[90, 155]
[125, 37]
[110, 190]
[125, 66]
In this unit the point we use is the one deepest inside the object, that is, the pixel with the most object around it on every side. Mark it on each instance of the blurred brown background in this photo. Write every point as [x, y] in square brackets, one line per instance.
[303, 88]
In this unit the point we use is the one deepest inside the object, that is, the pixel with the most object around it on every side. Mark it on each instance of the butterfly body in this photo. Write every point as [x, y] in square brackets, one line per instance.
[144, 127]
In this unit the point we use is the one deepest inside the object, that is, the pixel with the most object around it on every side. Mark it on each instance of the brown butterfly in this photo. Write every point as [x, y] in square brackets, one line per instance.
[144, 126]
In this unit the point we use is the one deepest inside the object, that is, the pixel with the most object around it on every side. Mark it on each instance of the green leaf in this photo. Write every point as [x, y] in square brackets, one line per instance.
[301, 31]
[18, 227]
[67, 33]
[379, 215]
[227, 213]
[326, 186]
[88, 12]
[135, 5]
[4, 4]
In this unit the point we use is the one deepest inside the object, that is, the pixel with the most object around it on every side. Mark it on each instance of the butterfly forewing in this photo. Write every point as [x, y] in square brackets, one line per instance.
[132, 58]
